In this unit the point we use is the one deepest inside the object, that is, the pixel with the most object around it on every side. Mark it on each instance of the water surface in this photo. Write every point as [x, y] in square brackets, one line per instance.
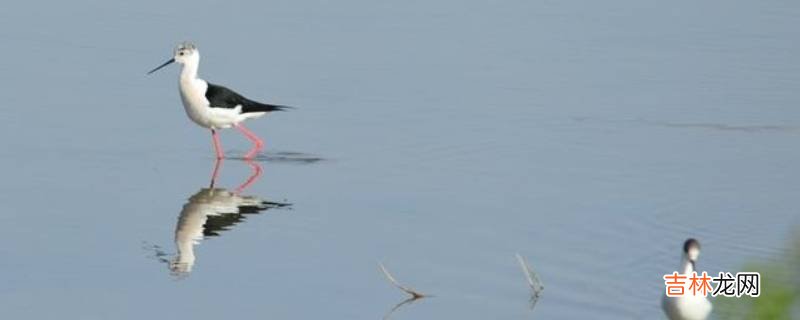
[440, 138]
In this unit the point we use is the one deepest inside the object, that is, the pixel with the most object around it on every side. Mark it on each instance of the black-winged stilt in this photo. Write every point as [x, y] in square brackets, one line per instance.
[688, 306]
[213, 106]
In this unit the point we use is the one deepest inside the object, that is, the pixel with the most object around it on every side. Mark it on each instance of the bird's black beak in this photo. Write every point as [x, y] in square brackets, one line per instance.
[163, 65]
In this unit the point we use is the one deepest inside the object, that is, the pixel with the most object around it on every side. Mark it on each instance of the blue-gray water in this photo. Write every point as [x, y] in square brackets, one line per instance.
[591, 137]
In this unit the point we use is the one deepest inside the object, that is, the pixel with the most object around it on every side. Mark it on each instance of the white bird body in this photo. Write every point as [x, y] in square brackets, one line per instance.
[198, 108]
[687, 307]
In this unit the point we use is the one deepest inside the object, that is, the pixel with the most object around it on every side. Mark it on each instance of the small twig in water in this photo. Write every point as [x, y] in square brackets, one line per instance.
[414, 294]
[534, 283]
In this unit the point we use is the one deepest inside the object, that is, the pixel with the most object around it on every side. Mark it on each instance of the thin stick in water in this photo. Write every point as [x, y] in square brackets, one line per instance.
[534, 283]
[414, 294]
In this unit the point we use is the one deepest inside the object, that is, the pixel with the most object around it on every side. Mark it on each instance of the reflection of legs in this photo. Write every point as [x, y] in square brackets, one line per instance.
[257, 143]
[217, 145]
[217, 165]
[252, 179]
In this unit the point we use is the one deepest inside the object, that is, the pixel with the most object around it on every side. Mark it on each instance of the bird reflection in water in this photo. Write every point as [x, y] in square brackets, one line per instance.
[209, 212]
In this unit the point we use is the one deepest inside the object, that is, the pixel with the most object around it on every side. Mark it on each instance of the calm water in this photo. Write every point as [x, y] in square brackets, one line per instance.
[591, 138]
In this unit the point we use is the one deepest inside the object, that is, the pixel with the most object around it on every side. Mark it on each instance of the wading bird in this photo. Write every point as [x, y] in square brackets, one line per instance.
[687, 306]
[213, 106]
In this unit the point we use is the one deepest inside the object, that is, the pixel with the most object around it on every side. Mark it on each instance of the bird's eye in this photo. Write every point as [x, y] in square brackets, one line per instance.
[180, 53]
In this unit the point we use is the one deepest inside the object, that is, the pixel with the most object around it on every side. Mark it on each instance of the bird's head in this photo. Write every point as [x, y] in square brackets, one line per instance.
[185, 53]
[691, 250]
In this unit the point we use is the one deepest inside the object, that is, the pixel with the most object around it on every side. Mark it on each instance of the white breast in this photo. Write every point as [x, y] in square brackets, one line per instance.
[686, 307]
[193, 95]
[194, 100]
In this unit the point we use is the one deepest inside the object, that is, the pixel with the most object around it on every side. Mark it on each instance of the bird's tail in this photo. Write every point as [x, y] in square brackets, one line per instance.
[264, 107]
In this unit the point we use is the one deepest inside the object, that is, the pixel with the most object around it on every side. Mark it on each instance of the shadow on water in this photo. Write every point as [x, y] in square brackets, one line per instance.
[712, 126]
[408, 301]
[288, 157]
[724, 126]
[208, 213]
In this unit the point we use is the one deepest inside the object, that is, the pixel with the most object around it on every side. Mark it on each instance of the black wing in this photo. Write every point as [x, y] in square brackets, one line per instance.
[224, 221]
[222, 97]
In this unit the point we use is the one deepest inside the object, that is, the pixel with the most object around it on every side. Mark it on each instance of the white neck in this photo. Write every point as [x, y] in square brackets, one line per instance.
[189, 71]
[686, 265]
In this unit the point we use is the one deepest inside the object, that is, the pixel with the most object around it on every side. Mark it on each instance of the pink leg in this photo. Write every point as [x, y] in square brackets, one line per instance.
[257, 143]
[253, 177]
[217, 165]
[217, 145]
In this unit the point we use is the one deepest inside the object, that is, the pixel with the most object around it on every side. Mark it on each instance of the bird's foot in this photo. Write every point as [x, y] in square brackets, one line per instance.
[250, 155]
[257, 147]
